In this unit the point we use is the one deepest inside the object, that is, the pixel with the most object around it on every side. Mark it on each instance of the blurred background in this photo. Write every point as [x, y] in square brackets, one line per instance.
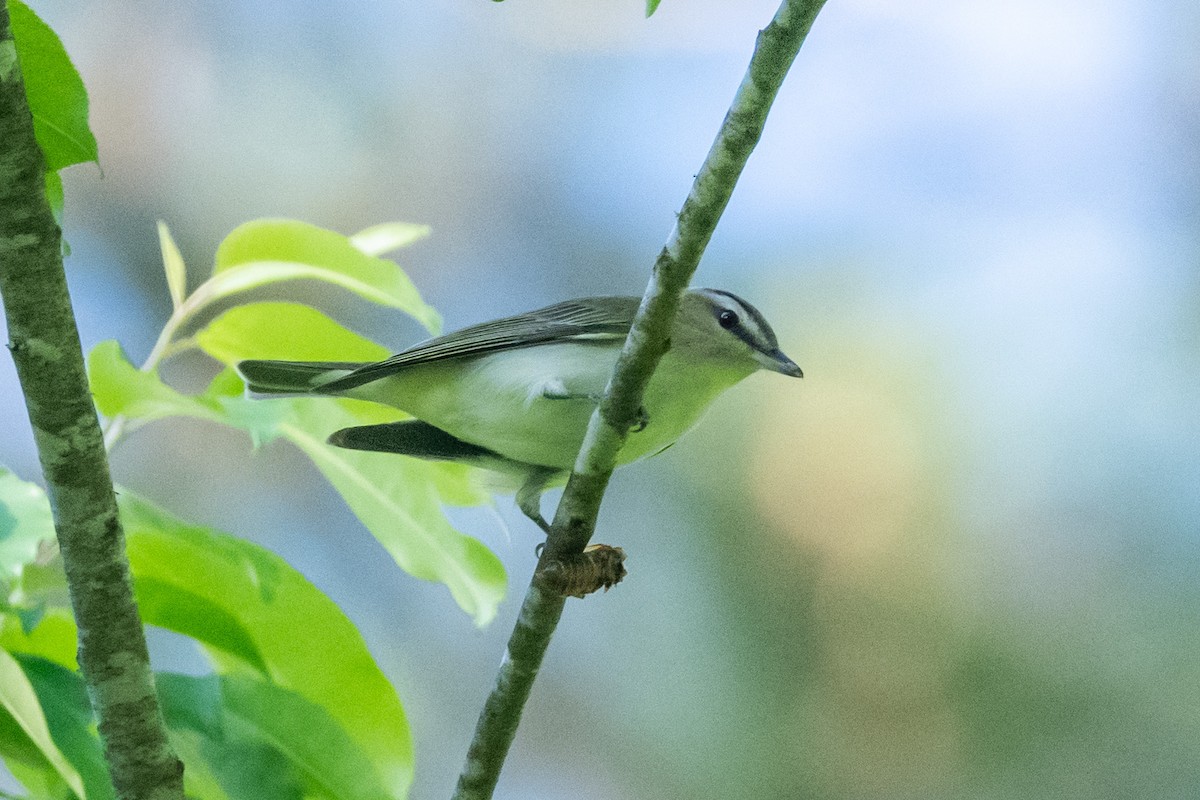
[958, 560]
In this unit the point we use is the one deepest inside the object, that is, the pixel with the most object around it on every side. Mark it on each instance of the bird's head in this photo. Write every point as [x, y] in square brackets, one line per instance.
[724, 330]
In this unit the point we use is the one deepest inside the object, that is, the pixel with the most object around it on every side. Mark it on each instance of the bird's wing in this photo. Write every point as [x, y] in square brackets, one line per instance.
[591, 319]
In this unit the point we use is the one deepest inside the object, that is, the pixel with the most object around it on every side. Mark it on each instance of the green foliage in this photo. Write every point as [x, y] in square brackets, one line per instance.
[121, 388]
[292, 670]
[295, 746]
[257, 617]
[25, 737]
[25, 521]
[63, 697]
[387, 237]
[173, 265]
[398, 499]
[271, 250]
[57, 98]
[283, 330]
[296, 707]
[50, 634]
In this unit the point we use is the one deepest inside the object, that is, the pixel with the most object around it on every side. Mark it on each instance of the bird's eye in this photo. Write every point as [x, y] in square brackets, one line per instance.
[728, 319]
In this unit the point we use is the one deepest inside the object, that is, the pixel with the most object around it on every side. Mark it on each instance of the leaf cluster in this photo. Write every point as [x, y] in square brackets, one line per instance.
[57, 99]
[295, 706]
[399, 500]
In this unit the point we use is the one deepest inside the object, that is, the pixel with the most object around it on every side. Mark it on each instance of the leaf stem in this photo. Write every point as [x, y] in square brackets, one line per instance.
[164, 347]
[575, 520]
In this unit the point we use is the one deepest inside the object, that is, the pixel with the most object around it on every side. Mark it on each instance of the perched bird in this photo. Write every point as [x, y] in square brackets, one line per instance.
[515, 395]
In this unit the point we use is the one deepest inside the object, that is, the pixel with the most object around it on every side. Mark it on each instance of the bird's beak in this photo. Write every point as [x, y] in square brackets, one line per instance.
[776, 361]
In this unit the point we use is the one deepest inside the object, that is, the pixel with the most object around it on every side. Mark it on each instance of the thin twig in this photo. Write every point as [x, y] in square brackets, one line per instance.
[575, 520]
[49, 360]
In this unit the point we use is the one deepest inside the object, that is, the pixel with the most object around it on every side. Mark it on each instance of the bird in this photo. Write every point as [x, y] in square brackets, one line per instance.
[515, 395]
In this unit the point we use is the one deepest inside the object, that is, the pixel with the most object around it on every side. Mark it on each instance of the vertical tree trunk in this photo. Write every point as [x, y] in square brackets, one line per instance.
[45, 346]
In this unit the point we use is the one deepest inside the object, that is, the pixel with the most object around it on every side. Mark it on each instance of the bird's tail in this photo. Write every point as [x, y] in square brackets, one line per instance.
[291, 377]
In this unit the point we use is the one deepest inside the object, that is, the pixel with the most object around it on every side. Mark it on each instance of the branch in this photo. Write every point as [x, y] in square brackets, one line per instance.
[49, 360]
[575, 520]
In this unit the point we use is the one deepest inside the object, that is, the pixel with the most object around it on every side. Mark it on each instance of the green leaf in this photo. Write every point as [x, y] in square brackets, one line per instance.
[398, 499]
[43, 583]
[40, 780]
[273, 330]
[171, 606]
[260, 420]
[173, 265]
[64, 699]
[121, 389]
[202, 767]
[285, 331]
[252, 735]
[651, 6]
[222, 759]
[55, 637]
[57, 97]
[330, 761]
[287, 630]
[25, 521]
[272, 250]
[388, 236]
[225, 384]
[19, 700]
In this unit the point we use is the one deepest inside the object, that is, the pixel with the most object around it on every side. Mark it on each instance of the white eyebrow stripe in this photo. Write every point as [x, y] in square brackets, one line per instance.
[756, 331]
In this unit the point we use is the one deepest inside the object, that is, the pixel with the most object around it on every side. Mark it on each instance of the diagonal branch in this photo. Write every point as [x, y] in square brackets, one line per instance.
[575, 520]
[45, 346]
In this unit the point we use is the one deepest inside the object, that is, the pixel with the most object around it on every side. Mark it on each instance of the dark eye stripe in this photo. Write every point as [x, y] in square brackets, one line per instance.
[752, 318]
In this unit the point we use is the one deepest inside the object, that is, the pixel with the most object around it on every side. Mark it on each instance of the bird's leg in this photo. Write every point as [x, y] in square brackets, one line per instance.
[529, 496]
[597, 567]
